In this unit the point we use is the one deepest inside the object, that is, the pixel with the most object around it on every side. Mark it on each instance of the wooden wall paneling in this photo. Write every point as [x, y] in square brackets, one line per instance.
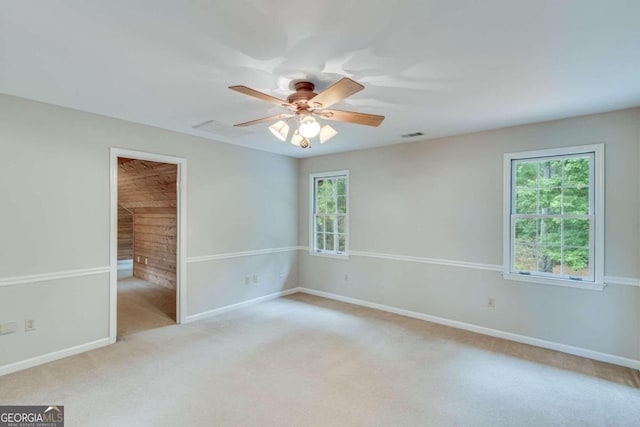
[155, 242]
[147, 187]
[154, 211]
[148, 190]
[125, 234]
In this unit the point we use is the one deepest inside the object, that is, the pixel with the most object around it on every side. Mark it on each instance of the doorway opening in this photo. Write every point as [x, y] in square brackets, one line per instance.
[146, 241]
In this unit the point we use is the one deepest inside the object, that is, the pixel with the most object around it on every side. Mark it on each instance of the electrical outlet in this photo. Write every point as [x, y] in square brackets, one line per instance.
[146, 261]
[137, 259]
[491, 302]
[247, 280]
[29, 325]
[255, 278]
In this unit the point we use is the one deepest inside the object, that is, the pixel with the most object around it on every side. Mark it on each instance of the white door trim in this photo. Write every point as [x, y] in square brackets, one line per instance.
[181, 246]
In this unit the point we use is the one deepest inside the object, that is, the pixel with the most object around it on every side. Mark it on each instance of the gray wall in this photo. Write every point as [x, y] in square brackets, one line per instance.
[442, 199]
[54, 188]
[434, 199]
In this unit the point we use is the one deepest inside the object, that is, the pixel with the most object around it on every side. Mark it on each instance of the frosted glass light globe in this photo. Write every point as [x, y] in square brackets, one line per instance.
[309, 127]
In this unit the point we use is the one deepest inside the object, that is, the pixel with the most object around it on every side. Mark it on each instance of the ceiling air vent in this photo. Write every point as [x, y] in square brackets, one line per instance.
[221, 129]
[411, 135]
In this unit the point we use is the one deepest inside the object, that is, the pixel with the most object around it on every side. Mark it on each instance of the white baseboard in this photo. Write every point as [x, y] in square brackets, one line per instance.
[125, 264]
[50, 357]
[577, 351]
[227, 308]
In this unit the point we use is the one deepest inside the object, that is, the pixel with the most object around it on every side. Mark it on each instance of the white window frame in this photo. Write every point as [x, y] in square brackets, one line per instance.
[596, 240]
[312, 232]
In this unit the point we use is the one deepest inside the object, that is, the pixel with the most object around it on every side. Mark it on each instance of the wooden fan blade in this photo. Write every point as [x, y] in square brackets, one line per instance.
[264, 119]
[352, 117]
[262, 96]
[336, 92]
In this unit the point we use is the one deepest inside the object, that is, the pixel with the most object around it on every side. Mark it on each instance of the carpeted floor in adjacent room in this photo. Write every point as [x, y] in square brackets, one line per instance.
[308, 361]
[143, 305]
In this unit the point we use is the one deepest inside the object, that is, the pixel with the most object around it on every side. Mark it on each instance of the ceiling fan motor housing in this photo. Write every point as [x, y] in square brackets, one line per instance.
[304, 92]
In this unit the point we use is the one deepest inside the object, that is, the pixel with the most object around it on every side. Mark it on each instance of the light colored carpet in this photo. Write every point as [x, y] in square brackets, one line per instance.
[143, 305]
[308, 361]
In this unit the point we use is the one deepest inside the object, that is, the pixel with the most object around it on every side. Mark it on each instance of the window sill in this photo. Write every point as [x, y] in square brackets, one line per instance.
[344, 257]
[592, 286]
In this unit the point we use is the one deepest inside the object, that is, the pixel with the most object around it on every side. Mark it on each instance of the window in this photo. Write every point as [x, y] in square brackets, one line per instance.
[329, 213]
[554, 219]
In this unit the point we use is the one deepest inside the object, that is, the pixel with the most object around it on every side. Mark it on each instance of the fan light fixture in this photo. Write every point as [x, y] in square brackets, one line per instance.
[309, 127]
[326, 133]
[296, 138]
[280, 130]
[304, 104]
[300, 140]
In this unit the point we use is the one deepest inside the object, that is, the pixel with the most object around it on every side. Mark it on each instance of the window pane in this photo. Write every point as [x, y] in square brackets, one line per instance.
[330, 188]
[342, 187]
[342, 204]
[556, 193]
[549, 259]
[323, 194]
[525, 244]
[526, 201]
[321, 204]
[549, 249]
[526, 174]
[576, 262]
[331, 204]
[576, 232]
[576, 171]
[550, 173]
[328, 224]
[525, 256]
[329, 243]
[550, 232]
[526, 230]
[550, 200]
[576, 201]
[318, 194]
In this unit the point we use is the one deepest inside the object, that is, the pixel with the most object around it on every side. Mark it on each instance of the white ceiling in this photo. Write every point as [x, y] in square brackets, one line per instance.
[440, 67]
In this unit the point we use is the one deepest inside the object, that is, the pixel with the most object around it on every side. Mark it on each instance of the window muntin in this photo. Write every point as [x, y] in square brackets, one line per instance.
[329, 213]
[553, 215]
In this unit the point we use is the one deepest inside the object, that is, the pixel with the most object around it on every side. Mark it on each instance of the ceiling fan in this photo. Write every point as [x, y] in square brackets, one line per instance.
[305, 107]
